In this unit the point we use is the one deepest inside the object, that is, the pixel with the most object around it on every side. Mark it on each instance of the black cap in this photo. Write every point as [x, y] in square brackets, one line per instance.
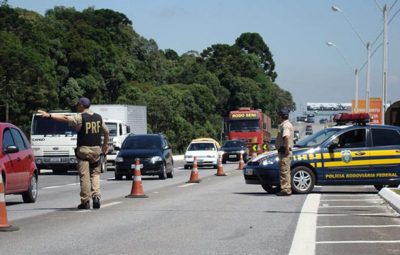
[84, 101]
[283, 111]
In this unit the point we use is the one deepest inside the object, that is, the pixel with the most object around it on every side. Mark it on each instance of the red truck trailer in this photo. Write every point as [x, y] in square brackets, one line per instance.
[251, 126]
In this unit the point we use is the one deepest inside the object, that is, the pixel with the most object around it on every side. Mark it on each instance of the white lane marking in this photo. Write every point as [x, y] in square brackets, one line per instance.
[346, 206]
[304, 236]
[351, 200]
[186, 185]
[53, 187]
[64, 185]
[361, 226]
[357, 241]
[110, 204]
[356, 214]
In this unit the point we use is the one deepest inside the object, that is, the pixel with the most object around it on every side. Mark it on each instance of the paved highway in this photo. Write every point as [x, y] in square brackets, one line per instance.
[220, 215]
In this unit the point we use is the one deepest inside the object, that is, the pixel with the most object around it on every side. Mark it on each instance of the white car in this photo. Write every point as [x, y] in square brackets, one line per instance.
[206, 152]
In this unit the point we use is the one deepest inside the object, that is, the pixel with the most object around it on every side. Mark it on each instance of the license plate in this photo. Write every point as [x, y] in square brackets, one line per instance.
[55, 159]
[133, 166]
[232, 156]
[248, 171]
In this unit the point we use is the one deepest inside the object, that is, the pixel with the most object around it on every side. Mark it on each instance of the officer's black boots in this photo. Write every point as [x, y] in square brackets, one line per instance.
[84, 206]
[96, 202]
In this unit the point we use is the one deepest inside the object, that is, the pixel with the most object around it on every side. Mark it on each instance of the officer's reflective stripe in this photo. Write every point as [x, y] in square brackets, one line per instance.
[351, 163]
[385, 161]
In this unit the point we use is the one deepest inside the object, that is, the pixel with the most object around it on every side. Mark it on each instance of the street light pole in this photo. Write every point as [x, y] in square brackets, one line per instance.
[385, 63]
[331, 44]
[368, 46]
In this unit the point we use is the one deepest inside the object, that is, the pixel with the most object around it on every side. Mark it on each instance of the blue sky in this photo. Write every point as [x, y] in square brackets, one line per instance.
[296, 31]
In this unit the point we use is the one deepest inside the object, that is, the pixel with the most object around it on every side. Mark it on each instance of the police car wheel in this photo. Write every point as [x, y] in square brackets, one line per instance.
[270, 189]
[303, 180]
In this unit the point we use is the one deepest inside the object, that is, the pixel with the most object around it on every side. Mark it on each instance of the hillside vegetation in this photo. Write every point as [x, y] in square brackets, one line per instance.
[48, 61]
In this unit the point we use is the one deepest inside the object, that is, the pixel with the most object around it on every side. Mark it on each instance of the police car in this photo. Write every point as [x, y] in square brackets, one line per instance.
[357, 154]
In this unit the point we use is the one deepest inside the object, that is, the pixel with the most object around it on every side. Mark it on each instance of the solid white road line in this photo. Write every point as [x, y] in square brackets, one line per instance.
[304, 236]
[347, 206]
[357, 241]
[110, 204]
[355, 214]
[361, 226]
[186, 185]
[351, 200]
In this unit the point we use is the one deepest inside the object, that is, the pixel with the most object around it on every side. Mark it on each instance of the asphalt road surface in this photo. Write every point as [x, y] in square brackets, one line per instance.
[220, 215]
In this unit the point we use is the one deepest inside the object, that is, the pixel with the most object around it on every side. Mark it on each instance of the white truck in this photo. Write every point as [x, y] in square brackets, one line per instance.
[121, 120]
[53, 143]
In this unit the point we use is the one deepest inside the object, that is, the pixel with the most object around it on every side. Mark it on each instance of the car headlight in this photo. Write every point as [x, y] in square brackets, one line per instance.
[119, 159]
[155, 159]
[269, 161]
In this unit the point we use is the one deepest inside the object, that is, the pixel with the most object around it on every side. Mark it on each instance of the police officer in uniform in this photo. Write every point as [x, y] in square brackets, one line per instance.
[284, 144]
[89, 126]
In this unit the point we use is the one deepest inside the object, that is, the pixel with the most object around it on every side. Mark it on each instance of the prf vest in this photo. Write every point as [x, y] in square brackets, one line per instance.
[90, 132]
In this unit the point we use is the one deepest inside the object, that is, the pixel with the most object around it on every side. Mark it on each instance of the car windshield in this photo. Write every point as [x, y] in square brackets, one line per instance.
[201, 147]
[317, 138]
[142, 142]
[233, 144]
[46, 126]
[244, 125]
[112, 128]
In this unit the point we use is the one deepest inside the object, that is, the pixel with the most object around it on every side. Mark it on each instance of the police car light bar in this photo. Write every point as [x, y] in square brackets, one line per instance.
[356, 118]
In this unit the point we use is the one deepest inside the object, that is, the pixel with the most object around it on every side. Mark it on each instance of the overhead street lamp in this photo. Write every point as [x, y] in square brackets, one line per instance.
[331, 44]
[368, 46]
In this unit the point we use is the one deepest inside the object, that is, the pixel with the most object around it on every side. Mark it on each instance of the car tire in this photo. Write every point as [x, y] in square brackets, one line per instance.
[117, 176]
[303, 180]
[270, 189]
[171, 174]
[163, 174]
[30, 195]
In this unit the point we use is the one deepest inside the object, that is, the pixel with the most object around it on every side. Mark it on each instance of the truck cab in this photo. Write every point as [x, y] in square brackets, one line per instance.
[118, 132]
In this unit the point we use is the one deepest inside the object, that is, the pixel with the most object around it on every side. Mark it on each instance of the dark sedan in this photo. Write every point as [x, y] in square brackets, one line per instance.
[154, 152]
[232, 150]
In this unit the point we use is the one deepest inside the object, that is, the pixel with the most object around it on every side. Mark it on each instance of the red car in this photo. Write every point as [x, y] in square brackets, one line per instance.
[17, 163]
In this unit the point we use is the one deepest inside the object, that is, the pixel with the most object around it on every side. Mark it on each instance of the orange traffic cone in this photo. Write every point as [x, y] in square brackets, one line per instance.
[4, 226]
[241, 162]
[220, 169]
[137, 187]
[194, 175]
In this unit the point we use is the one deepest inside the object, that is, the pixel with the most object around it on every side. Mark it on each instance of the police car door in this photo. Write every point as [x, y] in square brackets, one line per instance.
[346, 159]
[385, 153]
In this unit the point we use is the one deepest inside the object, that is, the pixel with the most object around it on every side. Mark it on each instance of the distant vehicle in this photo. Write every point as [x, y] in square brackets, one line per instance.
[154, 152]
[206, 151]
[301, 119]
[309, 130]
[296, 135]
[359, 154]
[232, 149]
[310, 118]
[392, 114]
[121, 120]
[53, 143]
[249, 125]
[17, 163]
[323, 121]
[272, 145]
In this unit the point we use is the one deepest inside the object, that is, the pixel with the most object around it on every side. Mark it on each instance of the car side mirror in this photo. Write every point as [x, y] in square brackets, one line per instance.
[11, 149]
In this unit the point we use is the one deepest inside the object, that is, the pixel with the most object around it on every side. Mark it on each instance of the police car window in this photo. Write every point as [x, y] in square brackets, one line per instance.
[19, 141]
[385, 137]
[352, 139]
[317, 138]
